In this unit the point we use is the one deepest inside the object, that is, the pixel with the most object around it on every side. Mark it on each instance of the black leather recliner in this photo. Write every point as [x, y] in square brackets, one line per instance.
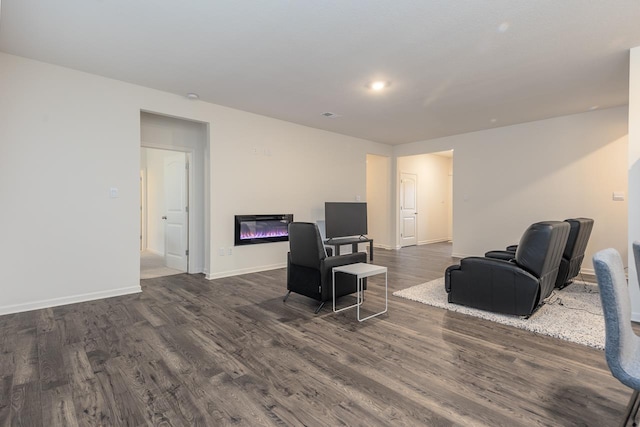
[511, 287]
[309, 269]
[579, 233]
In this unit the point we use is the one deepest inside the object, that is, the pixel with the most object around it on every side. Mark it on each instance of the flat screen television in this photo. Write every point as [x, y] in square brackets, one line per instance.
[344, 219]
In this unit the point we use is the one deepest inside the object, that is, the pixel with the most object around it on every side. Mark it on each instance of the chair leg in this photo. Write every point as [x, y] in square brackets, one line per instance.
[632, 408]
[634, 412]
[319, 307]
[286, 296]
[535, 310]
[565, 284]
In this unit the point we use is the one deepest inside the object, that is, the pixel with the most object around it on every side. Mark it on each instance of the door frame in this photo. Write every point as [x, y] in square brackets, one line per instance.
[143, 210]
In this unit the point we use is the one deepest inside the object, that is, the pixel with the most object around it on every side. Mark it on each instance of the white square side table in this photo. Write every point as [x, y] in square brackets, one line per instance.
[360, 270]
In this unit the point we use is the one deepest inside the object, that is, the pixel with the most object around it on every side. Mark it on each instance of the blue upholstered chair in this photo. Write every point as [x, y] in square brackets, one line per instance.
[622, 345]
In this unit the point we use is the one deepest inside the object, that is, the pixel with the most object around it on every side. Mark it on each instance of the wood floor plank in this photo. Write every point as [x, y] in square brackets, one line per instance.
[148, 397]
[122, 404]
[25, 406]
[51, 365]
[25, 359]
[93, 407]
[189, 351]
[5, 397]
[57, 407]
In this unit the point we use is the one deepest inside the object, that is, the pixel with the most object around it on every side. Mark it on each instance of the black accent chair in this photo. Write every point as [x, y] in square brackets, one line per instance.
[309, 269]
[511, 287]
[579, 233]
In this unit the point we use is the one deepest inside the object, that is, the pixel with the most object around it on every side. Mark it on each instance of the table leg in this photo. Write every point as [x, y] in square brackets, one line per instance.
[333, 279]
[386, 299]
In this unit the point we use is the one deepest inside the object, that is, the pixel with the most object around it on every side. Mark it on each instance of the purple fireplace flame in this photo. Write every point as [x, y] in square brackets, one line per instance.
[261, 234]
[254, 229]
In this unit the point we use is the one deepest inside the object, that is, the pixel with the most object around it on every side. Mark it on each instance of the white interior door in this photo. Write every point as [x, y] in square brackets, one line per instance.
[408, 209]
[176, 226]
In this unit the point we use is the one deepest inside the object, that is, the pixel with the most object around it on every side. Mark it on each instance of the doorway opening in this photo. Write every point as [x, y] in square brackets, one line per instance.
[173, 202]
[379, 178]
[164, 240]
[425, 199]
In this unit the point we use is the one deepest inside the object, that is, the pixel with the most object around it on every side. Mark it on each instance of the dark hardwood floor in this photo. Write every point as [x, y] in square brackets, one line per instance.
[188, 351]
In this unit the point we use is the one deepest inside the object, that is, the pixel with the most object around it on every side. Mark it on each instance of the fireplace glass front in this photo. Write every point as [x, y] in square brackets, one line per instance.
[254, 229]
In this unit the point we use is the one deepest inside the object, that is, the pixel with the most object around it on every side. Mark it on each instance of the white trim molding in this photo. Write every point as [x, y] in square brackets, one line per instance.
[380, 246]
[72, 299]
[240, 271]
[430, 241]
[456, 255]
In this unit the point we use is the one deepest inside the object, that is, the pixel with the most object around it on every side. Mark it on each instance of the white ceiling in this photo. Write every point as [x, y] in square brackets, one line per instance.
[455, 66]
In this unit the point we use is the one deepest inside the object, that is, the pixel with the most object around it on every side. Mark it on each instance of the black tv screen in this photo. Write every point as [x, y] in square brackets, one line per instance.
[344, 219]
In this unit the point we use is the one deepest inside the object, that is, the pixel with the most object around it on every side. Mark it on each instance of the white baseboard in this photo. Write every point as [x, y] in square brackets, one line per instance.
[588, 271]
[54, 302]
[387, 247]
[430, 241]
[221, 274]
[458, 255]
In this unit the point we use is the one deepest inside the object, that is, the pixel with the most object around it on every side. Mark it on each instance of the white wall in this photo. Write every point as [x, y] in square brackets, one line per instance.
[379, 200]
[433, 197]
[634, 177]
[507, 178]
[66, 137]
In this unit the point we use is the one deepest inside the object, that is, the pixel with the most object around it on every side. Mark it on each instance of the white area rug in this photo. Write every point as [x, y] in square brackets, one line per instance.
[572, 314]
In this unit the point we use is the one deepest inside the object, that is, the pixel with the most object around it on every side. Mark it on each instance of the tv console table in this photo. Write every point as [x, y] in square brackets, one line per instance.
[353, 241]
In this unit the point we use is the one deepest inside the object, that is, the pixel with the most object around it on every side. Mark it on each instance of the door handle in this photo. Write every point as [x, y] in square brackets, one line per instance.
[164, 217]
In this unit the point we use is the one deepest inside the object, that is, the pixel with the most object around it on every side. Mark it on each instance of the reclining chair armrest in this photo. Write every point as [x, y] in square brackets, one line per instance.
[447, 276]
[340, 260]
[503, 255]
[512, 248]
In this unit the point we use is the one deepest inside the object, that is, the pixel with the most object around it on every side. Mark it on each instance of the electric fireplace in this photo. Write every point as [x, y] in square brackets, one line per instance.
[254, 229]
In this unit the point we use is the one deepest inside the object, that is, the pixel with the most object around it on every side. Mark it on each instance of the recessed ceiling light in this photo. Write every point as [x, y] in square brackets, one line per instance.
[593, 107]
[494, 120]
[502, 28]
[378, 85]
[330, 115]
[193, 96]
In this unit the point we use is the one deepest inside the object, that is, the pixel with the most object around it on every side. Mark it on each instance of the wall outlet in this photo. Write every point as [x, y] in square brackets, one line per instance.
[221, 251]
[618, 196]
[230, 251]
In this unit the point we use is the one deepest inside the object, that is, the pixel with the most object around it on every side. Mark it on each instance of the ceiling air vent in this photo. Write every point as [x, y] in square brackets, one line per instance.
[330, 115]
